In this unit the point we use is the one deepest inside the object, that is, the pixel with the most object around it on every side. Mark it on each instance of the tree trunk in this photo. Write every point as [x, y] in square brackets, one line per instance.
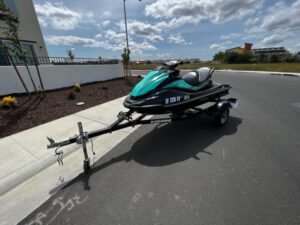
[37, 69]
[30, 76]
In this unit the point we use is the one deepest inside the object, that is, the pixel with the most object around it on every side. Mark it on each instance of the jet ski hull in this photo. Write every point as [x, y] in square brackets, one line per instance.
[174, 100]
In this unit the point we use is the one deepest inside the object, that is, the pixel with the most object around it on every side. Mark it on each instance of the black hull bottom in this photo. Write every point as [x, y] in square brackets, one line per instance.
[159, 106]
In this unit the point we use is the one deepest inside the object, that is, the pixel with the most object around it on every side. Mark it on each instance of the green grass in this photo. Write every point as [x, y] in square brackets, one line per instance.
[277, 67]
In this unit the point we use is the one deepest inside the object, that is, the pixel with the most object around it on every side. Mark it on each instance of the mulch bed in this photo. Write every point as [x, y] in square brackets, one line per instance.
[35, 111]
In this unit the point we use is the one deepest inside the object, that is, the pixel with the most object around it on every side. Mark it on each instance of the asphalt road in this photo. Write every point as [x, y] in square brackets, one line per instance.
[191, 172]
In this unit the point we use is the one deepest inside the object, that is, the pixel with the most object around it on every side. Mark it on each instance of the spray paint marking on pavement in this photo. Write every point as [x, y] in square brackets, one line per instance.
[59, 204]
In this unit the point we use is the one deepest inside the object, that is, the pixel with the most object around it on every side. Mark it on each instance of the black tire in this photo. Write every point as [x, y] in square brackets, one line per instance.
[222, 117]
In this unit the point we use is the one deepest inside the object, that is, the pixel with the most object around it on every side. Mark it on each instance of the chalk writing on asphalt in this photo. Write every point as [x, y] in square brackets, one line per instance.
[59, 205]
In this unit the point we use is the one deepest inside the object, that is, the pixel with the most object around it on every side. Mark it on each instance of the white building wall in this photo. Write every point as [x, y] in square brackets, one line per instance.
[56, 76]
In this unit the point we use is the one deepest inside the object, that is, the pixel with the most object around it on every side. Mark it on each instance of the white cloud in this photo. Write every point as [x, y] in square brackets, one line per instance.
[177, 39]
[97, 36]
[58, 16]
[154, 38]
[275, 39]
[252, 21]
[137, 48]
[217, 11]
[139, 28]
[229, 36]
[74, 40]
[227, 42]
[280, 17]
[176, 22]
[115, 37]
[105, 23]
[113, 42]
[163, 55]
[250, 37]
[148, 31]
[107, 13]
[216, 46]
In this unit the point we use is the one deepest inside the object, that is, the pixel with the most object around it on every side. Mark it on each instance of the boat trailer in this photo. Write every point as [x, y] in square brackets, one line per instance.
[220, 110]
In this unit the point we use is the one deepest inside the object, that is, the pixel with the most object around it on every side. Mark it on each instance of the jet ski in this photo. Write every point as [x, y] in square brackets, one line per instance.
[163, 90]
[166, 90]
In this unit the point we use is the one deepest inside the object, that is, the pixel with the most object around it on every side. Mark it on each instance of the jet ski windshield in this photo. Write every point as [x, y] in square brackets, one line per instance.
[168, 66]
[163, 67]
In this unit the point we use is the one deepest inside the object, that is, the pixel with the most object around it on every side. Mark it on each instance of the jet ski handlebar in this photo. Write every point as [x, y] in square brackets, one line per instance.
[174, 65]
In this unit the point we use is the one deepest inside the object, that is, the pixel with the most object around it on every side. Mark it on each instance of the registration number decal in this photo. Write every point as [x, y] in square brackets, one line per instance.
[176, 99]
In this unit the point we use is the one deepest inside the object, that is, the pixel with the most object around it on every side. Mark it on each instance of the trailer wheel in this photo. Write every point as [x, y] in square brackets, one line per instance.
[222, 117]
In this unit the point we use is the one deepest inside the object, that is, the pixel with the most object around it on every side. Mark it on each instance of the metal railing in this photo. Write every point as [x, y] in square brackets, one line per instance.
[4, 61]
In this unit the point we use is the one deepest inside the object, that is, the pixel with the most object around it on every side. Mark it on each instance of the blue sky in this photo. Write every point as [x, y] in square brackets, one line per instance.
[167, 29]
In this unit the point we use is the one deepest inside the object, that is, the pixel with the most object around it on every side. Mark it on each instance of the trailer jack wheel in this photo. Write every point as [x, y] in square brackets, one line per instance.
[86, 166]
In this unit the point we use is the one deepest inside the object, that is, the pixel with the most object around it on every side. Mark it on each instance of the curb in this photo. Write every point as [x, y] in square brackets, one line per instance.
[19, 176]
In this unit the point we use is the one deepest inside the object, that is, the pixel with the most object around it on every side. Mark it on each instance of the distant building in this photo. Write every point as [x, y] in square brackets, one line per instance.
[195, 60]
[240, 50]
[270, 50]
[29, 29]
[248, 47]
[270, 54]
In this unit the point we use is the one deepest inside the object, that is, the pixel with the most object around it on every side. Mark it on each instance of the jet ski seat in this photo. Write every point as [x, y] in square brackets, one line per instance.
[196, 77]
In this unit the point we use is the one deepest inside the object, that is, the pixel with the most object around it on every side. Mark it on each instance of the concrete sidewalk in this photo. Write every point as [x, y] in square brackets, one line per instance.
[29, 172]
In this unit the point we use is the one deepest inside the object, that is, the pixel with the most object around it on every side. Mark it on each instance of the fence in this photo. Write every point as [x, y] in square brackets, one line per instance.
[5, 61]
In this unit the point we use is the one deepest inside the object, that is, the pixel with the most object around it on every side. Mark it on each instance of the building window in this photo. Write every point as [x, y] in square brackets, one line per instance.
[3, 56]
[26, 46]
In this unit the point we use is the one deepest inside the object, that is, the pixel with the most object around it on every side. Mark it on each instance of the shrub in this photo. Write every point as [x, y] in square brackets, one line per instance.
[8, 101]
[71, 95]
[233, 57]
[77, 87]
[274, 58]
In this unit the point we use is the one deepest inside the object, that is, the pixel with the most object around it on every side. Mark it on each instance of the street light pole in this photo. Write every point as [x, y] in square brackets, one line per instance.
[125, 18]
[127, 44]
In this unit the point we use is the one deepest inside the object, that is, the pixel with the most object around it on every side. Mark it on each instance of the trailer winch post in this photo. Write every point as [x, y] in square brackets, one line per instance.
[82, 139]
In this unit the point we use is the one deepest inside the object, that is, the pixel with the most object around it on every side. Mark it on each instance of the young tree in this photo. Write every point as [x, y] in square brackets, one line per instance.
[11, 32]
[70, 54]
[126, 59]
[219, 56]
